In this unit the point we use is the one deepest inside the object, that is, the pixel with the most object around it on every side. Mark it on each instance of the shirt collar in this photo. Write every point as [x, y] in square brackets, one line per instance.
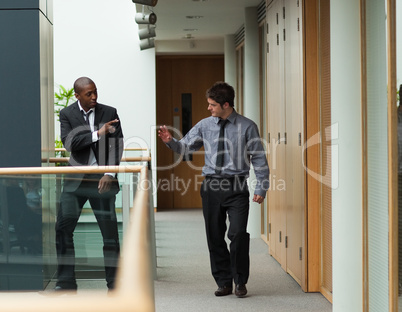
[82, 110]
[231, 117]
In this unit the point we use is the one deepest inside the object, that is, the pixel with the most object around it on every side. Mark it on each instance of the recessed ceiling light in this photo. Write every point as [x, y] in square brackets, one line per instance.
[194, 16]
[190, 29]
[188, 36]
[200, 0]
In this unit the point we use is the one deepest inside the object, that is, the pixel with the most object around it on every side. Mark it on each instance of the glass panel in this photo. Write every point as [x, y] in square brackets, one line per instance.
[25, 253]
[28, 211]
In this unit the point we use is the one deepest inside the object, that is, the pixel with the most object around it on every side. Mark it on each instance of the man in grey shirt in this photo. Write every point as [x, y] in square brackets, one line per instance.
[231, 142]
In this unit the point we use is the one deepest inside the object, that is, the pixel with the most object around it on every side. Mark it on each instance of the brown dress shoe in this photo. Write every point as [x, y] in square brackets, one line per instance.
[240, 290]
[223, 291]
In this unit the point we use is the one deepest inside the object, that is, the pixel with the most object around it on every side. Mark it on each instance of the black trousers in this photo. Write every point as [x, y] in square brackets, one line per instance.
[222, 197]
[103, 206]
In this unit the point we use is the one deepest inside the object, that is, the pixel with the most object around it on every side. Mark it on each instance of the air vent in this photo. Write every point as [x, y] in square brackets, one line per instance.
[239, 36]
[261, 11]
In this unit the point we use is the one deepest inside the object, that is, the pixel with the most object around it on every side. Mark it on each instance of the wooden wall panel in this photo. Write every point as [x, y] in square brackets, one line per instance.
[164, 116]
[176, 75]
[312, 154]
[325, 100]
[285, 125]
[272, 97]
[294, 135]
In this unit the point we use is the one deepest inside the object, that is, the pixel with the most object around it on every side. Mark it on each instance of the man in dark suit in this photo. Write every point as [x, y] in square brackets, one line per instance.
[91, 132]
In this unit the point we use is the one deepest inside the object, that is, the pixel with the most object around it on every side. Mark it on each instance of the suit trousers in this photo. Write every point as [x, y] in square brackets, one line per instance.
[222, 197]
[103, 206]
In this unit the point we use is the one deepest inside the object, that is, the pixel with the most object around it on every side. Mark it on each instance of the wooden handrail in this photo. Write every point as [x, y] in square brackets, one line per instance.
[137, 262]
[68, 169]
[134, 287]
[54, 160]
[62, 149]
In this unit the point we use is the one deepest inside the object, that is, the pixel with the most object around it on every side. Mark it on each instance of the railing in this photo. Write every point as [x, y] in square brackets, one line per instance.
[134, 286]
[124, 159]
[129, 160]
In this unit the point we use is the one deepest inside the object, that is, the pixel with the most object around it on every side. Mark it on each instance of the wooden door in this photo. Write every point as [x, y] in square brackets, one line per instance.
[285, 113]
[181, 84]
[276, 130]
[294, 139]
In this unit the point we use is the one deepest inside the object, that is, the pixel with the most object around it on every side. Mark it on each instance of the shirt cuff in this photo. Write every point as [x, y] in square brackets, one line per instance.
[260, 192]
[95, 137]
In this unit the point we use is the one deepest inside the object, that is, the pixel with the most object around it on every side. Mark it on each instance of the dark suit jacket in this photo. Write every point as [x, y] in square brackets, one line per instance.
[77, 139]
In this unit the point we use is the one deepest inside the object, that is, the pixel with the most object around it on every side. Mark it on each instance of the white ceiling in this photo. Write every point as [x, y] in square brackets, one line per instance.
[219, 18]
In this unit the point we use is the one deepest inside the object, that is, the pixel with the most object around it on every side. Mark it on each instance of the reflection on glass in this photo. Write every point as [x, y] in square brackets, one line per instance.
[20, 233]
[22, 215]
[28, 209]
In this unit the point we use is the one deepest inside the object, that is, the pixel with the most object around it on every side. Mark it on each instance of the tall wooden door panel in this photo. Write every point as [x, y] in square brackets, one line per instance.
[285, 128]
[294, 126]
[276, 130]
[181, 84]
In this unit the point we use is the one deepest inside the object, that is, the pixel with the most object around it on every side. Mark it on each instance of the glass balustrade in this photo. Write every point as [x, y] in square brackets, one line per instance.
[28, 209]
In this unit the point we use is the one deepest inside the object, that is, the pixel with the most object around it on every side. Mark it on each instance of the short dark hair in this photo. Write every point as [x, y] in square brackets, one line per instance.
[221, 92]
[81, 82]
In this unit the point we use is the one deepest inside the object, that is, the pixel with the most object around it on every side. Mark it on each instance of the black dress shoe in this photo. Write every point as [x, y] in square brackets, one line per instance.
[223, 291]
[240, 290]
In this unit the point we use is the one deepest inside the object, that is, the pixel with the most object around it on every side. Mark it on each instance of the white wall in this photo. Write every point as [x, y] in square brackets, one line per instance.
[99, 39]
[190, 46]
[399, 42]
[230, 60]
[251, 100]
[347, 159]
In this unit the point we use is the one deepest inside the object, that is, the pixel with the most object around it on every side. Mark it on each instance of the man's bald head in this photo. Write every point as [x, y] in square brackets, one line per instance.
[82, 82]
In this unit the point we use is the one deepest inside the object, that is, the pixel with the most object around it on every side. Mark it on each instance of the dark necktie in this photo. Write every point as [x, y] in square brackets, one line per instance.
[221, 147]
[86, 116]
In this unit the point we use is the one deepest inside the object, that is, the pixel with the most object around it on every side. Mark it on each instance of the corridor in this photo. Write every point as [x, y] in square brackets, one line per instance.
[185, 283]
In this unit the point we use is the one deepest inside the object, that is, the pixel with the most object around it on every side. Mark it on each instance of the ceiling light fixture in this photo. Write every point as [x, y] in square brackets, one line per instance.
[147, 44]
[147, 32]
[141, 18]
[194, 16]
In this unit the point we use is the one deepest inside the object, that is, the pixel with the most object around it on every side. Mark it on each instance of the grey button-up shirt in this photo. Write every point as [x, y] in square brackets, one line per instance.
[242, 142]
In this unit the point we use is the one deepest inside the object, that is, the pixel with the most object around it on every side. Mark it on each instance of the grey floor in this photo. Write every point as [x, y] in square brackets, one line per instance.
[185, 283]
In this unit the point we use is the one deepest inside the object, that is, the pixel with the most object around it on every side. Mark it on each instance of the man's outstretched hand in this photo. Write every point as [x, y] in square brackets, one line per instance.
[107, 128]
[164, 134]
